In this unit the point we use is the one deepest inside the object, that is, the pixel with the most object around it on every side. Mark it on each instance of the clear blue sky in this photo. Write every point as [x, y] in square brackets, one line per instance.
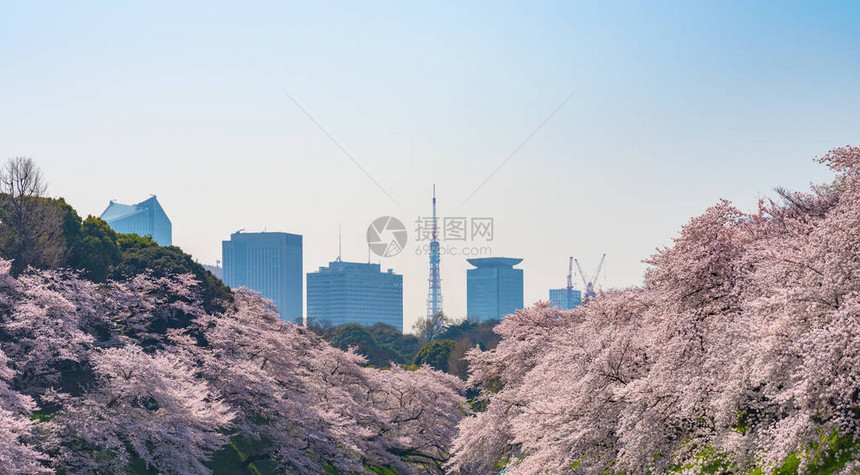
[675, 105]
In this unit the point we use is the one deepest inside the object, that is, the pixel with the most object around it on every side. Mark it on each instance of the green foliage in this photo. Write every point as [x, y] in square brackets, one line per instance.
[429, 329]
[41, 416]
[382, 470]
[389, 337]
[93, 248]
[139, 467]
[359, 337]
[353, 334]
[381, 344]
[238, 458]
[130, 243]
[31, 231]
[91, 244]
[457, 363]
[478, 333]
[329, 470]
[742, 426]
[385, 334]
[71, 221]
[435, 354]
[459, 330]
[825, 457]
[142, 254]
[709, 461]
[87, 246]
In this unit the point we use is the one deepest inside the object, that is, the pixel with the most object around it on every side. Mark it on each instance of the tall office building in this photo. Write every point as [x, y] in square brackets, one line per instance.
[270, 263]
[494, 288]
[146, 218]
[565, 299]
[355, 292]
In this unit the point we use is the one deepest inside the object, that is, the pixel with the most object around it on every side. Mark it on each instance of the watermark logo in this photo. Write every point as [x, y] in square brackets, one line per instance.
[386, 236]
[457, 236]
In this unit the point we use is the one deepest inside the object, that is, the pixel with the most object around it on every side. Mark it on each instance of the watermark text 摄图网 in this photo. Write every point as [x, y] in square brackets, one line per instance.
[455, 228]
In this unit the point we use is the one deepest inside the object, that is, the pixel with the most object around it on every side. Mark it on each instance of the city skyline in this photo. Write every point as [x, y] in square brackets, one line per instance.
[441, 238]
[672, 108]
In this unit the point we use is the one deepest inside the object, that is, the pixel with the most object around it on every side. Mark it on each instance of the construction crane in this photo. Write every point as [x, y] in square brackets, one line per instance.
[570, 279]
[589, 284]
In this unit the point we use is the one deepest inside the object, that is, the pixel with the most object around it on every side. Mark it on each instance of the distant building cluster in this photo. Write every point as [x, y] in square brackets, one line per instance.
[342, 292]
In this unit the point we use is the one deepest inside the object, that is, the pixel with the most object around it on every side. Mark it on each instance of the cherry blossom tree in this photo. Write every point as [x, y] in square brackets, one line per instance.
[44, 333]
[137, 374]
[310, 405]
[422, 408]
[150, 403]
[16, 456]
[740, 351]
[488, 438]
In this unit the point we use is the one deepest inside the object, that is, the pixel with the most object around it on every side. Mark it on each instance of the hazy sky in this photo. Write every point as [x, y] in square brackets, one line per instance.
[674, 105]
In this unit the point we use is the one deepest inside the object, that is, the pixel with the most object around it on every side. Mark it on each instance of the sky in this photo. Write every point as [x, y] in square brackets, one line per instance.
[670, 106]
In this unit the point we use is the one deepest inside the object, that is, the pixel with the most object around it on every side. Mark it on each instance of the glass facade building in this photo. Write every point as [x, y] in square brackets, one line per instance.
[565, 300]
[270, 263]
[146, 218]
[494, 288]
[354, 292]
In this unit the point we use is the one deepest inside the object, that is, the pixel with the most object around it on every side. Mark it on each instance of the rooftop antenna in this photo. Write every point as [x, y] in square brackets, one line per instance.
[434, 211]
[339, 243]
[603, 277]
[569, 279]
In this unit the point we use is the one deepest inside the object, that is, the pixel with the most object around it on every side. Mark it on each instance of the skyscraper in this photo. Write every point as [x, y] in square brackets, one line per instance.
[565, 299]
[494, 288]
[355, 292]
[270, 263]
[146, 218]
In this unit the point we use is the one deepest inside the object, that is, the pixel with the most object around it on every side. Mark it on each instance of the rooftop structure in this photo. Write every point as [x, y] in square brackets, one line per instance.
[494, 288]
[146, 218]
